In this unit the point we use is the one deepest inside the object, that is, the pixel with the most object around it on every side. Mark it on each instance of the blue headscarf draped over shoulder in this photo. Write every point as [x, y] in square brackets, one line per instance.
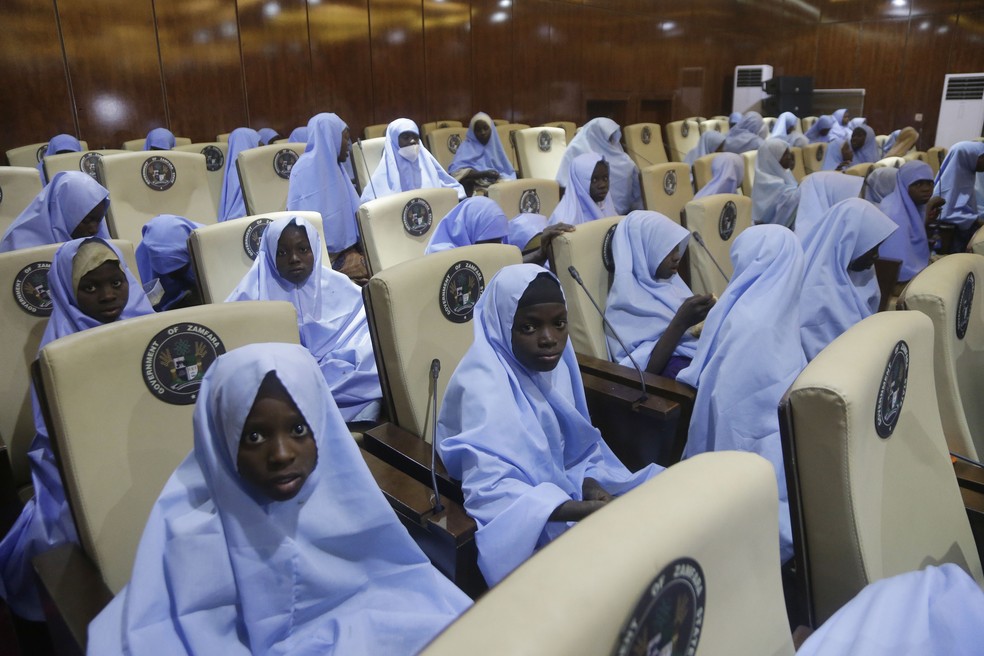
[162, 254]
[60, 143]
[602, 136]
[727, 172]
[219, 570]
[473, 155]
[524, 227]
[825, 122]
[818, 193]
[709, 143]
[909, 243]
[577, 206]
[267, 136]
[231, 202]
[956, 183]
[746, 135]
[159, 139]
[867, 153]
[775, 193]
[471, 221]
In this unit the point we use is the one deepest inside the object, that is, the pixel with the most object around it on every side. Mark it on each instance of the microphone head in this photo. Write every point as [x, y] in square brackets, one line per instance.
[700, 240]
[574, 274]
[435, 367]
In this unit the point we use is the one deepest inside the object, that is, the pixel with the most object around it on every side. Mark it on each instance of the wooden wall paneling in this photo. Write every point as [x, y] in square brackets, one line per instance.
[887, 9]
[709, 42]
[922, 7]
[341, 60]
[595, 30]
[448, 59]
[37, 103]
[202, 67]
[111, 49]
[881, 52]
[398, 69]
[492, 75]
[841, 11]
[569, 63]
[923, 70]
[967, 45]
[531, 64]
[837, 56]
[276, 63]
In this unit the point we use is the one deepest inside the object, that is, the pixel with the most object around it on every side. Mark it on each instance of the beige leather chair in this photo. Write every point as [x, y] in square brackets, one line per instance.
[880, 140]
[935, 157]
[719, 219]
[682, 137]
[443, 143]
[890, 162]
[748, 180]
[427, 128]
[813, 156]
[644, 144]
[770, 122]
[366, 155]
[916, 155]
[807, 122]
[84, 161]
[977, 242]
[539, 151]
[138, 144]
[799, 168]
[224, 137]
[18, 187]
[24, 310]
[871, 487]
[505, 131]
[530, 195]
[666, 188]
[374, 131]
[702, 170]
[860, 170]
[216, 159]
[398, 227]
[31, 154]
[499, 121]
[145, 184]
[948, 292]
[569, 128]
[713, 550]
[718, 124]
[265, 175]
[222, 253]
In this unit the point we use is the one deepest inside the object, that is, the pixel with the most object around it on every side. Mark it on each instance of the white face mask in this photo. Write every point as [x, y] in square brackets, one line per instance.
[410, 153]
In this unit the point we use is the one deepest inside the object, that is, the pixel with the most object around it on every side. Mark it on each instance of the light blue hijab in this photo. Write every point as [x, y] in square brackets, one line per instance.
[909, 243]
[956, 182]
[162, 255]
[709, 143]
[330, 317]
[746, 135]
[825, 122]
[520, 441]
[299, 135]
[159, 139]
[879, 183]
[319, 183]
[868, 153]
[523, 228]
[473, 220]
[221, 571]
[231, 202]
[834, 299]
[267, 136]
[473, 155]
[838, 130]
[727, 172]
[602, 136]
[60, 143]
[818, 193]
[786, 121]
[576, 206]
[737, 393]
[775, 193]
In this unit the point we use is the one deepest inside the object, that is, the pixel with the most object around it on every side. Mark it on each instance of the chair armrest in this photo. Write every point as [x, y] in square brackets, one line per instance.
[73, 593]
[969, 476]
[657, 385]
[411, 455]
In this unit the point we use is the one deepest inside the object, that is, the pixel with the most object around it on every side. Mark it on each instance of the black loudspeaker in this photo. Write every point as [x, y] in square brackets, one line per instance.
[788, 94]
[788, 85]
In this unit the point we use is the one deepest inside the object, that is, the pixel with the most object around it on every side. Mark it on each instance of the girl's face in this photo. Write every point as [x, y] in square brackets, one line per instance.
[921, 191]
[787, 160]
[865, 261]
[539, 335]
[483, 132]
[345, 146]
[277, 451]
[103, 292]
[408, 139]
[669, 266]
[599, 182]
[89, 226]
[980, 164]
[295, 259]
[858, 137]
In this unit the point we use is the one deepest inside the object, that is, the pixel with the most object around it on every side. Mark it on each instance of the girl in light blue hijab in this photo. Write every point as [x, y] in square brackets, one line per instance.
[746, 135]
[818, 193]
[267, 136]
[956, 183]
[159, 139]
[879, 183]
[775, 194]
[298, 135]
[839, 129]
[232, 205]
[787, 129]
[820, 132]
[859, 148]
[162, 256]
[476, 220]
[485, 161]
[587, 195]
[602, 136]
[60, 143]
[523, 228]
[906, 206]
[710, 142]
[272, 537]
[727, 173]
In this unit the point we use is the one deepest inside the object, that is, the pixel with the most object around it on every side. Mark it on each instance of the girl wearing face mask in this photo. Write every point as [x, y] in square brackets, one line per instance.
[406, 166]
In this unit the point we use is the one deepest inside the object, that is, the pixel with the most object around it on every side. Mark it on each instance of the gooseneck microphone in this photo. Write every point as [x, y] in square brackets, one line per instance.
[365, 167]
[435, 372]
[700, 240]
[642, 380]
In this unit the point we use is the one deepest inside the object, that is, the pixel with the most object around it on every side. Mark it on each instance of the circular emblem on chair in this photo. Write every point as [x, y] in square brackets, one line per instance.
[158, 173]
[685, 128]
[176, 359]
[252, 235]
[41, 151]
[647, 135]
[31, 289]
[453, 142]
[891, 392]
[88, 163]
[544, 141]
[964, 304]
[460, 289]
[417, 217]
[727, 220]
[283, 162]
[820, 154]
[529, 202]
[669, 183]
[607, 254]
[670, 615]
[214, 159]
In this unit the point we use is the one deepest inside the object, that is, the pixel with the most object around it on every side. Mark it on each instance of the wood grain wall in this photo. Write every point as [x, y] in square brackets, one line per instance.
[109, 70]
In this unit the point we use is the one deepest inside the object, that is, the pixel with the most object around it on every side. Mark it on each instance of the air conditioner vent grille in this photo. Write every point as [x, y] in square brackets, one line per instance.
[749, 77]
[965, 88]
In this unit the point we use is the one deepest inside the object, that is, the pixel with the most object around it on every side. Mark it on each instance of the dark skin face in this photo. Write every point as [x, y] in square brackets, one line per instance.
[295, 259]
[408, 139]
[866, 261]
[599, 182]
[345, 146]
[824, 132]
[669, 265]
[483, 132]
[539, 335]
[846, 119]
[858, 137]
[103, 292]
[921, 191]
[277, 451]
[980, 164]
[89, 226]
[787, 160]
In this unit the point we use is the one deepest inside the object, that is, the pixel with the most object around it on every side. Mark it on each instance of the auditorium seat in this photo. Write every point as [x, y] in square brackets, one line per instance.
[807, 122]
[144, 184]
[539, 151]
[702, 170]
[682, 137]
[505, 132]
[890, 162]
[569, 128]
[84, 161]
[374, 131]
[872, 491]
[813, 156]
[499, 121]
[799, 168]
[861, 170]
[222, 253]
[18, 187]
[718, 219]
[748, 177]
[880, 140]
[644, 144]
[398, 227]
[443, 143]
[935, 157]
[138, 144]
[666, 188]
[216, 156]
[31, 154]
[427, 128]
[224, 137]
[526, 195]
[717, 124]
[916, 155]
[366, 155]
[705, 566]
[770, 122]
[265, 175]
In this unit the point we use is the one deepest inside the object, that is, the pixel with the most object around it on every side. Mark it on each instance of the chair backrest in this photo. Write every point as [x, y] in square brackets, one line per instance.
[569, 128]
[216, 155]
[420, 310]
[223, 252]
[531, 195]
[374, 131]
[138, 144]
[861, 170]
[719, 219]
[427, 128]
[799, 168]
[145, 184]
[807, 122]
[717, 124]
[589, 250]
[366, 155]
[712, 551]
[935, 157]
[947, 292]
[24, 312]
[31, 154]
[871, 487]
[265, 175]
[443, 143]
[499, 121]
[539, 151]
[916, 155]
[770, 122]
[682, 137]
[120, 401]
[977, 242]
[644, 144]
[18, 187]
[666, 188]
[702, 170]
[505, 131]
[84, 161]
[223, 137]
[880, 140]
[398, 227]
[813, 156]
[748, 178]
[890, 162]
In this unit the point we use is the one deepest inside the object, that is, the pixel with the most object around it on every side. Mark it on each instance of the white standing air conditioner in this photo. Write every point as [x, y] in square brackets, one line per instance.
[961, 109]
[748, 93]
